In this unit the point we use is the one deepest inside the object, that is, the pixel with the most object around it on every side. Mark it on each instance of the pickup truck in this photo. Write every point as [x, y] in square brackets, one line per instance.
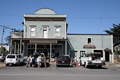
[92, 59]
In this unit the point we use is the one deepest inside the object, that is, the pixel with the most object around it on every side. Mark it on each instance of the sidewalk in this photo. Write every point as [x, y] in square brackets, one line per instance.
[2, 64]
[108, 64]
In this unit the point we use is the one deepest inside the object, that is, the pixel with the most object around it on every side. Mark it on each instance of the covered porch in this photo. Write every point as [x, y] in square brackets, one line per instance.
[50, 47]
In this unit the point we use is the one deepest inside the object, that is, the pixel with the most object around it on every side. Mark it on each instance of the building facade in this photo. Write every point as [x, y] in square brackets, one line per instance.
[92, 43]
[46, 32]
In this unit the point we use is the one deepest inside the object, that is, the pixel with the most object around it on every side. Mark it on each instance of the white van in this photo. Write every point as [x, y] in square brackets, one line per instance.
[14, 59]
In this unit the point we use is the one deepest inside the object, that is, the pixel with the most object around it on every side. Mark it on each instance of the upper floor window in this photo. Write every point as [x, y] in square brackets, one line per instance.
[32, 30]
[45, 31]
[89, 40]
[57, 31]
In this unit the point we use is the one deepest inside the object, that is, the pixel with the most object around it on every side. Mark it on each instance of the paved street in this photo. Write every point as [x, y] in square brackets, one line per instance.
[60, 73]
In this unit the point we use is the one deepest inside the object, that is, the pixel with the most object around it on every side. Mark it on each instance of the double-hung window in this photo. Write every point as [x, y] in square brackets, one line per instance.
[45, 31]
[57, 31]
[32, 30]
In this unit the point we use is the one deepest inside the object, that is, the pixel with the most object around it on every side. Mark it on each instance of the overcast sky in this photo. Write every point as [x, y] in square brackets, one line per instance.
[83, 16]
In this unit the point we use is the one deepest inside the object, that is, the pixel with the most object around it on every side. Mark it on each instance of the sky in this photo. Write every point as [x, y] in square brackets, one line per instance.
[83, 16]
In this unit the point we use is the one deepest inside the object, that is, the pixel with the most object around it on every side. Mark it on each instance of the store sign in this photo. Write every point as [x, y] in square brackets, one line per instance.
[43, 41]
[89, 46]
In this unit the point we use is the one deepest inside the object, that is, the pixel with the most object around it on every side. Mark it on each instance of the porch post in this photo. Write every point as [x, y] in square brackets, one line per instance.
[65, 47]
[23, 48]
[15, 48]
[18, 50]
[10, 47]
[50, 51]
[20, 45]
[35, 47]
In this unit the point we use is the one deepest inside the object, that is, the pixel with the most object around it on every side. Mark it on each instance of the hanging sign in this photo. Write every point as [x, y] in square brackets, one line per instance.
[43, 41]
[89, 46]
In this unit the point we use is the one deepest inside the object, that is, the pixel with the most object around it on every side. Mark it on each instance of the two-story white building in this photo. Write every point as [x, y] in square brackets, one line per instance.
[46, 32]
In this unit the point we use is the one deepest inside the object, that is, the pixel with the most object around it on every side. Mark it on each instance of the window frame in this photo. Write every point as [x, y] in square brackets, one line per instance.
[57, 33]
[32, 30]
[89, 40]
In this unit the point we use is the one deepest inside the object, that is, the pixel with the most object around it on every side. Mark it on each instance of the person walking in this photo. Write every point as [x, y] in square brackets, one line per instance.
[43, 59]
[39, 59]
[28, 61]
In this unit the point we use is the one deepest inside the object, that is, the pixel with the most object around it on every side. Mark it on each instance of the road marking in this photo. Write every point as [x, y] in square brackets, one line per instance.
[60, 75]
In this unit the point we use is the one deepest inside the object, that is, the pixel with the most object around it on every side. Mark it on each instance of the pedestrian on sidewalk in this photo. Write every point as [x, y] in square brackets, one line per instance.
[28, 61]
[39, 59]
[43, 59]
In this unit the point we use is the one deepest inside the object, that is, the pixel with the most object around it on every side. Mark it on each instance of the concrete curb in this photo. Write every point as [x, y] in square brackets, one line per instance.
[112, 65]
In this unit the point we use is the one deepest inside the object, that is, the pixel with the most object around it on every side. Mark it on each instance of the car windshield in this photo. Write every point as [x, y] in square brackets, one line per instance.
[11, 56]
[62, 58]
[0, 54]
[94, 55]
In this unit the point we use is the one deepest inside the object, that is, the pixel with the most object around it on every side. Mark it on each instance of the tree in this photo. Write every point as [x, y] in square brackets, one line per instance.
[3, 50]
[8, 39]
[115, 31]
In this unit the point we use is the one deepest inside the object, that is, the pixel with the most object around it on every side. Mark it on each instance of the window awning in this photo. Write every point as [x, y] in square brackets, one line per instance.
[107, 49]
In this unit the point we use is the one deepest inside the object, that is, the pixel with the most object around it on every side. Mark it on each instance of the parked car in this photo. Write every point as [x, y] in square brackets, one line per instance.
[63, 60]
[14, 59]
[2, 57]
[93, 59]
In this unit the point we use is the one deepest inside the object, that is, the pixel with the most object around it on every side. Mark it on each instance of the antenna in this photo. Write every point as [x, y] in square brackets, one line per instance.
[101, 32]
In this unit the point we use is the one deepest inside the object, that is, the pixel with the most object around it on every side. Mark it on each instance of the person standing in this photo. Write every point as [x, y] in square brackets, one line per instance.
[39, 59]
[43, 59]
[28, 61]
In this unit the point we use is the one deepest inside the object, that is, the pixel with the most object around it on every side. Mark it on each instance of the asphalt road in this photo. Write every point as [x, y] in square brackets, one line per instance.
[60, 73]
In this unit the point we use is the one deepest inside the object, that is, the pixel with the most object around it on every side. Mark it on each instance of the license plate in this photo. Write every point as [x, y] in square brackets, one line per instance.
[97, 61]
[10, 59]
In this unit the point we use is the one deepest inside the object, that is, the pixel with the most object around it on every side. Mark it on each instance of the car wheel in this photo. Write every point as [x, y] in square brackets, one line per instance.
[7, 64]
[100, 66]
[57, 66]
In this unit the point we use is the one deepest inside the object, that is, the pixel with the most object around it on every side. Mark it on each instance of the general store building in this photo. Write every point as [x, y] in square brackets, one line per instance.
[46, 32]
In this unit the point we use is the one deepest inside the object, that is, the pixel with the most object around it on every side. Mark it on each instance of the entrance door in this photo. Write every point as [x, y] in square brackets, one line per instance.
[82, 53]
[107, 58]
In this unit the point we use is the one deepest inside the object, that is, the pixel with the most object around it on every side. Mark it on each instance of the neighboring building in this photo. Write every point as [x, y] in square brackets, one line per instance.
[90, 43]
[45, 31]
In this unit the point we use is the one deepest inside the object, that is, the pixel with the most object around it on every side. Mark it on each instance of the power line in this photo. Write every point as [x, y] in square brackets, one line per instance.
[112, 17]
[74, 17]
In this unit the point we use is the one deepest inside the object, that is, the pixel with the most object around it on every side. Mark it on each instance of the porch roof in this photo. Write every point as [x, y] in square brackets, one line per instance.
[39, 39]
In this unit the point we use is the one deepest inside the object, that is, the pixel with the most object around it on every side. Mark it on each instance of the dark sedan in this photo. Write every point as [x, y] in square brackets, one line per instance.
[63, 61]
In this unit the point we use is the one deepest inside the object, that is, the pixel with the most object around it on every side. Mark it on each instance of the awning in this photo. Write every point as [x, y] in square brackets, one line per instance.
[89, 46]
[107, 49]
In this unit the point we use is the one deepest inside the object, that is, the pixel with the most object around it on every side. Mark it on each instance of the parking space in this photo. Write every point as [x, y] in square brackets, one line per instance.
[53, 66]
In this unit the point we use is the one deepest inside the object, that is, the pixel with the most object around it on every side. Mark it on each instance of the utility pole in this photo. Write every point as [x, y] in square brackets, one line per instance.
[3, 31]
